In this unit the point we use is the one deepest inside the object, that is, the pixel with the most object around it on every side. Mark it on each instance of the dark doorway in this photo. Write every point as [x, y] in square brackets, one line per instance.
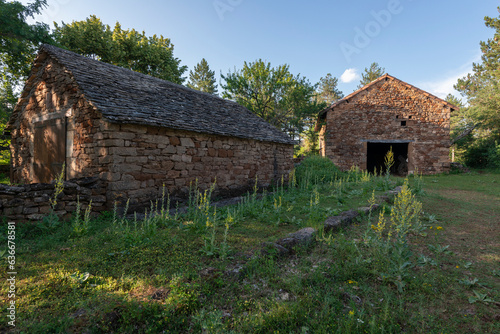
[376, 155]
[50, 149]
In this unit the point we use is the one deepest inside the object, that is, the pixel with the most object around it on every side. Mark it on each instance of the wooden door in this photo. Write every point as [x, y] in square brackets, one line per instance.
[49, 149]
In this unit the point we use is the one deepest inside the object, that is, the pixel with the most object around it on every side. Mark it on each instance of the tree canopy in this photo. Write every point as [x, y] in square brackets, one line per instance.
[18, 42]
[327, 89]
[371, 73]
[273, 93]
[202, 78]
[18, 39]
[131, 49]
[481, 88]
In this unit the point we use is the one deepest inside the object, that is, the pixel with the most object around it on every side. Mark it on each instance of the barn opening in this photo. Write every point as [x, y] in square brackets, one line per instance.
[376, 152]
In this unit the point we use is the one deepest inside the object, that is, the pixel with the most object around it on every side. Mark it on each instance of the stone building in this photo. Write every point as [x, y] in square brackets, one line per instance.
[359, 129]
[136, 132]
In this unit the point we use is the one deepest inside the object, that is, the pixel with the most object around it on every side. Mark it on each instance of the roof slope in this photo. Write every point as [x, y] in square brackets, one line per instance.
[125, 96]
[386, 77]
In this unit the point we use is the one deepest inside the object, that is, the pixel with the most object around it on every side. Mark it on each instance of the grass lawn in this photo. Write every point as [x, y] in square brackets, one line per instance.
[203, 271]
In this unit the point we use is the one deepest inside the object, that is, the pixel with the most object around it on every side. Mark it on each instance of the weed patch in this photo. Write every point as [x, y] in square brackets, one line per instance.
[428, 262]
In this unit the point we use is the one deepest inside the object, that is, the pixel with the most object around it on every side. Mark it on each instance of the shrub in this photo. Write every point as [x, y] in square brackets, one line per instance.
[483, 153]
[315, 170]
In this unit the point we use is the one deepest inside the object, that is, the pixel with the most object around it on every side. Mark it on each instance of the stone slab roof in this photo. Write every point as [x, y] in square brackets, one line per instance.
[125, 96]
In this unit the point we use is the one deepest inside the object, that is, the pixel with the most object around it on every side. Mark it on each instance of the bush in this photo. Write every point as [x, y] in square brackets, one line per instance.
[316, 169]
[483, 153]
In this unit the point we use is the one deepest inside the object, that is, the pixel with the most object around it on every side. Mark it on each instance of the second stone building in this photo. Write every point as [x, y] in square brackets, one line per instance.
[386, 114]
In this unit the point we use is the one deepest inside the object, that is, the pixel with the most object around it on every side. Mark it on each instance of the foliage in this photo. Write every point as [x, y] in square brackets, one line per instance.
[52, 220]
[316, 169]
[152, 55]
[352, 281]
[18, 39]
[371, 73]
[309, 144]
[480, 297]
[482, 90]
[18, 43]
[327, 90]
[273, 93]
[81, 227]
[8, 97]
[202, 78]
[482, 152]
[388, 161]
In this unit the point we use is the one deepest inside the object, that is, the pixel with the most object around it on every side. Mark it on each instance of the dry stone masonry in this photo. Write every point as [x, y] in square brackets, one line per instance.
[137, 134]
[31, 202]
[360, 128]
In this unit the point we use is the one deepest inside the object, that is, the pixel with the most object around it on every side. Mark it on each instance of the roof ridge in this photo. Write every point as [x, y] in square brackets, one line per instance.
[58, 49]
[125, 96]
[372, 83]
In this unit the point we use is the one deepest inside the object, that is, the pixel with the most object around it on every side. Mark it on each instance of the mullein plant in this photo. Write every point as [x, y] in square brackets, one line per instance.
[81, 227]
[391, 236]
[52, 220]
[371, 201]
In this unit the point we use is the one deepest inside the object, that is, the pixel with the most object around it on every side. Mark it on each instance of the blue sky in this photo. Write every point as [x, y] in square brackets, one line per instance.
[426, 43]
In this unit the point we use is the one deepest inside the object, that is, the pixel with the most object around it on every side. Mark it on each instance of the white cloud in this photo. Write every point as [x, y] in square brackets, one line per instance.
[349, 75]
[444, 86]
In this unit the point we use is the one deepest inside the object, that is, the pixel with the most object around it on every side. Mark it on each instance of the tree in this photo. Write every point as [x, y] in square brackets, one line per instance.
[327, 89]
[18, 39]
[273, 93]
[126, 48]
[203, 78]
[371, 73]
[18, 43]
[481, 88]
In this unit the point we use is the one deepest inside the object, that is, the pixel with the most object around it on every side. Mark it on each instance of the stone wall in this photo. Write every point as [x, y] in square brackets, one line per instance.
[135, 161]
[141, 159]
[51, 93]
[31, 202]
[389, 110]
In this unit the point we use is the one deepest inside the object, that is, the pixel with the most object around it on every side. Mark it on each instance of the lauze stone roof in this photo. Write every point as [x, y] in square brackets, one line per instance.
[125, 96]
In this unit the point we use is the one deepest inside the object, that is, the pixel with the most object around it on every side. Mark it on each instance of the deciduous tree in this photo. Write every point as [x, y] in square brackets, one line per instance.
[131, 49]
[18, 39]
[273, 93]
[18, 44]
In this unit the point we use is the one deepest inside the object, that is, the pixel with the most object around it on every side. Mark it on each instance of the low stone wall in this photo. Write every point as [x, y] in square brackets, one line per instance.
[138, 160]
[32, 201]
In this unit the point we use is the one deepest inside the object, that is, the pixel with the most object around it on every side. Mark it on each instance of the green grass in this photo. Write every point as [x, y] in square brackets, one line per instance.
[157, 275]
[4, 178]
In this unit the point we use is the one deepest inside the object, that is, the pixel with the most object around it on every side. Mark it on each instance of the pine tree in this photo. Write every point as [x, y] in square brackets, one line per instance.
[482, 90]
[202, 78]
[371, 73]
[327, 89]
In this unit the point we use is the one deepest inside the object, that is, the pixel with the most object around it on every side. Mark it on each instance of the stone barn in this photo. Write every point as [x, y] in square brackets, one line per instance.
[136, 132]
[359, 129]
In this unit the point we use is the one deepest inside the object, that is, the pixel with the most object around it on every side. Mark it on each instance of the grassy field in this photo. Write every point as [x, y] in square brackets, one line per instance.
[203, 271]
